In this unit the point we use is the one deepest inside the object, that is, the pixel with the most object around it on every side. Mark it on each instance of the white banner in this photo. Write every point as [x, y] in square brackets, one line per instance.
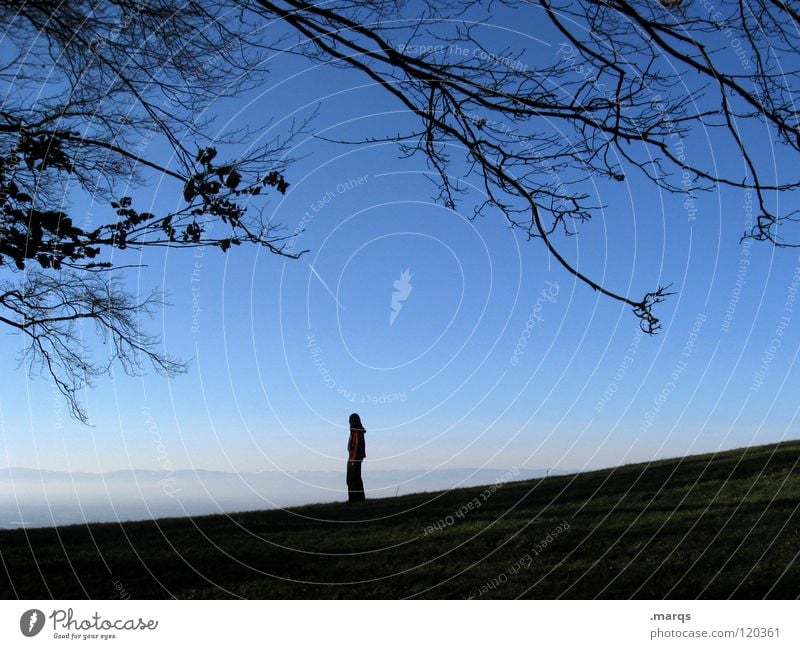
[400, 624]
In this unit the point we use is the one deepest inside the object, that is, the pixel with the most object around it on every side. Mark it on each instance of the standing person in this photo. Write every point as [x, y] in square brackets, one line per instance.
[356, 454]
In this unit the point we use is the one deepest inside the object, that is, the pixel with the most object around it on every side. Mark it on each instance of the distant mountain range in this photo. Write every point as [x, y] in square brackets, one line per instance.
[36, 498]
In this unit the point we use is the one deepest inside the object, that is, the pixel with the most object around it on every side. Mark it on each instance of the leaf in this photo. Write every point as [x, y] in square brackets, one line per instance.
[233, 180]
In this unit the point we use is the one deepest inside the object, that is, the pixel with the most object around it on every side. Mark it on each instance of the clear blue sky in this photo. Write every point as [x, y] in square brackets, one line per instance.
[283, 351]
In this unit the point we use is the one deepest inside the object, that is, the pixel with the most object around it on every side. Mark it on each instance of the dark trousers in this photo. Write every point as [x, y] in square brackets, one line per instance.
[355, 486]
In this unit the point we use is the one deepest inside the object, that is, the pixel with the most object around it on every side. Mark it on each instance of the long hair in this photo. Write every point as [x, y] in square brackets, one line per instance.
[355, 422]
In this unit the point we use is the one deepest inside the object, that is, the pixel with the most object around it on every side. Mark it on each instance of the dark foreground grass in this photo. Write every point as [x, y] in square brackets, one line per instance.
[709, 526]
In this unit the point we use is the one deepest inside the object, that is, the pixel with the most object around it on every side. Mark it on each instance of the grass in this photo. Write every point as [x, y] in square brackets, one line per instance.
[722, 525]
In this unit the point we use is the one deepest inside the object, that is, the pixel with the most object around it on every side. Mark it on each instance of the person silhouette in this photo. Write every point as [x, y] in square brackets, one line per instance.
[356, 452]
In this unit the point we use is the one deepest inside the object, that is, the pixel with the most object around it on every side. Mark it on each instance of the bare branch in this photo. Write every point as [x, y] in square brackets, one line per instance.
[49, 310]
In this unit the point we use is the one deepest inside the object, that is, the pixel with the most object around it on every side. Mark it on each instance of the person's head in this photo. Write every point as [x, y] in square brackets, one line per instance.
[355, 421]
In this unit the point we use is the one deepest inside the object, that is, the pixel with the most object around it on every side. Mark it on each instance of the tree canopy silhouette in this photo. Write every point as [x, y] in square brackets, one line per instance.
[94, 94]
[89, 86]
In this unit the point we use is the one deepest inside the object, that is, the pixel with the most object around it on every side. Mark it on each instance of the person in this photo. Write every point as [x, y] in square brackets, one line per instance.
[356, 452]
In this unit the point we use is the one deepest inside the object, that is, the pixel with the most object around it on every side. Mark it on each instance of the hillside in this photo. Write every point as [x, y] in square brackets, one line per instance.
[710, 526]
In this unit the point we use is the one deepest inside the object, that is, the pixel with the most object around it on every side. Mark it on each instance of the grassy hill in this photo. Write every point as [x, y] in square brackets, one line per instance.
[711, 526]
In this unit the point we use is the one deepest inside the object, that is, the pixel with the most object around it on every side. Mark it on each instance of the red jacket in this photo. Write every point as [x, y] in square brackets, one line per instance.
[355, 445]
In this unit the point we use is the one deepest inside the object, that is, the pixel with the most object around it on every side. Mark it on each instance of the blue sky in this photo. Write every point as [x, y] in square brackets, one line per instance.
[496, 357]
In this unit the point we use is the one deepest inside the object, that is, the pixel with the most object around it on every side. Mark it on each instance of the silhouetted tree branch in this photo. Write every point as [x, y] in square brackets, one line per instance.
[627, 85]
[132, 82]
[49, 309]
[100, 100]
